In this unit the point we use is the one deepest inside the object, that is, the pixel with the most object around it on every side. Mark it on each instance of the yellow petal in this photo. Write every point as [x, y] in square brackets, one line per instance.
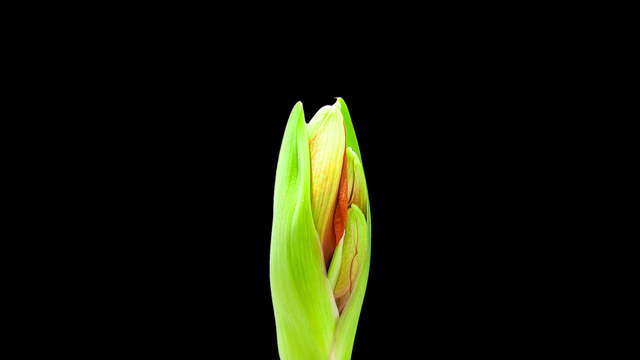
[326, 146]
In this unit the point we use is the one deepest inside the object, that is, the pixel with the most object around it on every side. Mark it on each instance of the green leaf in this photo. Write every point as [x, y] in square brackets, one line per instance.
[304, 308]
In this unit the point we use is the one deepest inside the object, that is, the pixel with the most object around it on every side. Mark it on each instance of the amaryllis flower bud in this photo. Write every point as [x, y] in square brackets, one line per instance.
[321, 237]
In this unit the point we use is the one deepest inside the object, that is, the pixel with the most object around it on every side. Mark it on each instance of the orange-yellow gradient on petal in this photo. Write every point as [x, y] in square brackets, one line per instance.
[326, 134]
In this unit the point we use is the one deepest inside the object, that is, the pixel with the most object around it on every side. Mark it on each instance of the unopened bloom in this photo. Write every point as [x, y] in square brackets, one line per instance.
[320, 245]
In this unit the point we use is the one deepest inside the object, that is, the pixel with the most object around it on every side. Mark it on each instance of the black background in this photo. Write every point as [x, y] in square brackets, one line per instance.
[155, 157]
[185, 184]
[146, 152]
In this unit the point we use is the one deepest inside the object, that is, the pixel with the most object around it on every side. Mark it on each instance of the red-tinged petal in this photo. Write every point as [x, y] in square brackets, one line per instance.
[340, 217]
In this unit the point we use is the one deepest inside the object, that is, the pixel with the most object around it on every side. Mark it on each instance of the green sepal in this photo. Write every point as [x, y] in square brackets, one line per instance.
[304, 308]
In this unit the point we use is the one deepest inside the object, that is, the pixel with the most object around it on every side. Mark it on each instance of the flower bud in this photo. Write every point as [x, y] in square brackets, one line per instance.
[321, 215]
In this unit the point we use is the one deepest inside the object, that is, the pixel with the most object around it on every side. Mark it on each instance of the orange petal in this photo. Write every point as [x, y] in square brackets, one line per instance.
[340, 217]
